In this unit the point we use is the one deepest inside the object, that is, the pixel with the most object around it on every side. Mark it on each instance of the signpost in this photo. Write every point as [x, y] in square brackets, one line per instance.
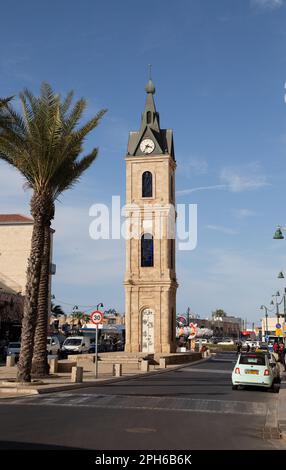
[96, 317]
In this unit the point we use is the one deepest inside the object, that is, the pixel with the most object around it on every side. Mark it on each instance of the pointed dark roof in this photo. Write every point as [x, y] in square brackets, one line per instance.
[150, 129]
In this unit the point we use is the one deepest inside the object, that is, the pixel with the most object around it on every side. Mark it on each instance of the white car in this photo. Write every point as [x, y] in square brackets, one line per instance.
[53, 345]
[201, 340]
[13, 349]
[226, 341]
[256, 369]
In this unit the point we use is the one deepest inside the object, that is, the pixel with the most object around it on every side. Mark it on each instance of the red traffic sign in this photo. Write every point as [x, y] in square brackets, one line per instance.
[96, 317]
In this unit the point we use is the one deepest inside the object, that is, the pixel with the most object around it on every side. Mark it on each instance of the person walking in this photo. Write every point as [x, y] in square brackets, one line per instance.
[238, 348]
[281, 356]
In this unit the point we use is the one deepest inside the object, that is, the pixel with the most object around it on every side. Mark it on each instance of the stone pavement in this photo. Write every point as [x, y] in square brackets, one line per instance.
[282, 407]
[62, 380]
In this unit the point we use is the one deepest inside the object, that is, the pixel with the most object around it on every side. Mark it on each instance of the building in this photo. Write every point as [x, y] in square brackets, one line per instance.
[15, 245]
[150, 276]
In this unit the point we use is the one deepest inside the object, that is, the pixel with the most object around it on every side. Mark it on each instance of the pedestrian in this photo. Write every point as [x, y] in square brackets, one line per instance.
[281, 355]
[238, 348]
[276, 350]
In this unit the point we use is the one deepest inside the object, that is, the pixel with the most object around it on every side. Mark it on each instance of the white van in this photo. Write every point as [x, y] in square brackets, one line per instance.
[53, 345]
[76, 345]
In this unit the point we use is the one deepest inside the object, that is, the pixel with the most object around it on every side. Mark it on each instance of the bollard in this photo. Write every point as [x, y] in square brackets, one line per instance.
[10, 361]
[76, 375]
[145, 366]
[117, 370]
[53, 365]
[162, 363]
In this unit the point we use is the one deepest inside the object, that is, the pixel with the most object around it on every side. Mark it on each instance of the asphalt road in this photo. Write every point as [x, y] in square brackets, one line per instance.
[193, 407]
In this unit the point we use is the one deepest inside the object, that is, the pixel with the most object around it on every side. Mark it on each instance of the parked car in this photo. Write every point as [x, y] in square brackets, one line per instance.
[76, 345]
[256, 369]
[53, 345]
[225, 341]
[13, 349]
[201, 340]
[263, 347]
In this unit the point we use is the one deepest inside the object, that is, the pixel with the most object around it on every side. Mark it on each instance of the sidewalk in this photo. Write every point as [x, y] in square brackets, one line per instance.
[62, 380]
[282, 407]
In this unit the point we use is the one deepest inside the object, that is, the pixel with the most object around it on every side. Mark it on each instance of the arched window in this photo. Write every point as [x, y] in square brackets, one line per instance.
[148, 117]
[147, 184]
[147, 251]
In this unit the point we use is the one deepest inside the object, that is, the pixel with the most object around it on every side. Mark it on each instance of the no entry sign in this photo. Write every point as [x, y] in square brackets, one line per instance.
[96, 317]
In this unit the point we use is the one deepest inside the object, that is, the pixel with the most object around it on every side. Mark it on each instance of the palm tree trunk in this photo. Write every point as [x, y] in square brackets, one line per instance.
[32, 289]
[40, 366]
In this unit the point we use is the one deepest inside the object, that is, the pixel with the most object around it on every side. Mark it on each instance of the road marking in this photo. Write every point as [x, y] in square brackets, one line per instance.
[209, 371]
[151, 403]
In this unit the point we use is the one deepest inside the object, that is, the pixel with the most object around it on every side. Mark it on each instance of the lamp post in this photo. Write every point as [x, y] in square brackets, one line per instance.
[266, 318]
[281, 276]
[277, 304]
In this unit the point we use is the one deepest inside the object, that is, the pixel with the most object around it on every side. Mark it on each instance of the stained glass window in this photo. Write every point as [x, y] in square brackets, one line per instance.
[147, 251]
[147, 184]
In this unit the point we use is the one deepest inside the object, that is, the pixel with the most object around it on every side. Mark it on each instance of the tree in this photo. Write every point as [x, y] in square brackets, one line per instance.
[56, 310]
[44, 143]
[219, 313]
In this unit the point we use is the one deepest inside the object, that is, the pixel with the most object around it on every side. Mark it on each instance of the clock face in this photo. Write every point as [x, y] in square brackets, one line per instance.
[147, 146]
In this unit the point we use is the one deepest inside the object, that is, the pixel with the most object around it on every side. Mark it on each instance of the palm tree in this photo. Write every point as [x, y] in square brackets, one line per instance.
[57, 310]
[44, 144]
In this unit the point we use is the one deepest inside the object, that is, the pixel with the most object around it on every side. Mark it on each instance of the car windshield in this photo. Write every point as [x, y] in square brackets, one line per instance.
[14, 345]
[72, 342]
[253, 359]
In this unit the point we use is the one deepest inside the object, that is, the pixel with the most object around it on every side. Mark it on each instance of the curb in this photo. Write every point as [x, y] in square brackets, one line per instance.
[282, 413]
[36, 391]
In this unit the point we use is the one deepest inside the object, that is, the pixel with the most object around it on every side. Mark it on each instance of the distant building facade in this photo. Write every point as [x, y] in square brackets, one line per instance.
[15, 245]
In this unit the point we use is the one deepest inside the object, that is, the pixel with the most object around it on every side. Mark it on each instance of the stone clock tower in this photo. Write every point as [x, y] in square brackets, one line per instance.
[150, 277]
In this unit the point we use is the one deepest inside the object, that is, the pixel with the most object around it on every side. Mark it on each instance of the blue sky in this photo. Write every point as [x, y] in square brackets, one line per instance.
[219, 68]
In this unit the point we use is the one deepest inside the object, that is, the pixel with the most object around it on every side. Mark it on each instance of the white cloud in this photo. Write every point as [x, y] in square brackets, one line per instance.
[13, 197]
[267, 4]
[238, 281]
[184, 192]
[80, 260]
[193, 166]
[219, 228]
[247, 178]
[244, 213]
[235, 180]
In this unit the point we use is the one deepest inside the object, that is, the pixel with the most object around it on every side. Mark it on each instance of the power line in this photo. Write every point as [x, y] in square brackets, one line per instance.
[72, 305]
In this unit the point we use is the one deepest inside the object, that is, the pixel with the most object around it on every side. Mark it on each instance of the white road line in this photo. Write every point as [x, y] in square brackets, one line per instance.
[209, 371]
[150, 403]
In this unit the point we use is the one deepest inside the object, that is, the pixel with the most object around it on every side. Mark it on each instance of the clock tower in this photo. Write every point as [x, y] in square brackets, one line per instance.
[150, 277]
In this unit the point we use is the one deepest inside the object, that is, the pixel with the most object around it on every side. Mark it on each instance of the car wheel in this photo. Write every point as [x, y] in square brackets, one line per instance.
[235, 387]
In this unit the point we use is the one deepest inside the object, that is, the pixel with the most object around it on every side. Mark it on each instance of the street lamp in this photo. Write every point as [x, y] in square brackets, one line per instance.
[277, 304]
[99, 305]
[267, 309]
[278, 235]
